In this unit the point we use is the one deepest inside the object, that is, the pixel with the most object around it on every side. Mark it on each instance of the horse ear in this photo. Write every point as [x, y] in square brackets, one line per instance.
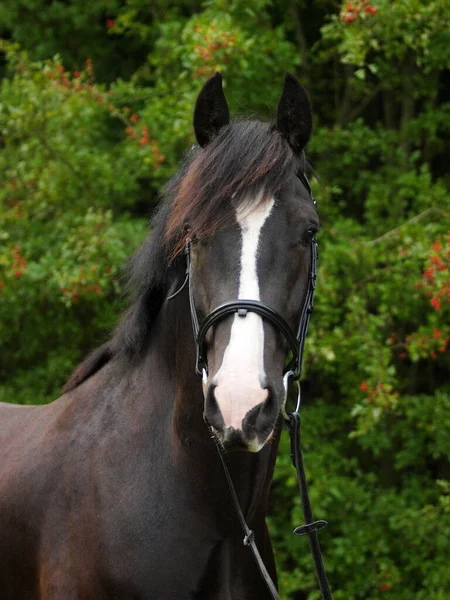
[211, 111]
[294, 117]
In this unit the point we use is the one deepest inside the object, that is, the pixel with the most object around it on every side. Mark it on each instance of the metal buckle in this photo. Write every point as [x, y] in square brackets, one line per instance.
[309, 527]
[288, 375]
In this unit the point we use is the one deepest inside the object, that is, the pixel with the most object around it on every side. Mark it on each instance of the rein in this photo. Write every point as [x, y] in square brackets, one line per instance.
[292, 372]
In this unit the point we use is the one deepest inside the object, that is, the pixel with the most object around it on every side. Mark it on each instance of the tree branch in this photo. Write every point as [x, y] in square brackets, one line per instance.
[301, 41]
[346, 96]
[358, 110]
[393, 232]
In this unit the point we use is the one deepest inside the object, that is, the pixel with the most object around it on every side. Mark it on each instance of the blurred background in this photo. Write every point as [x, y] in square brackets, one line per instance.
[96, 102]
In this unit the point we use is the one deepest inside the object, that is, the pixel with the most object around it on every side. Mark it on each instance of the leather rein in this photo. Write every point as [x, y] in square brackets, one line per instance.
[292, 373]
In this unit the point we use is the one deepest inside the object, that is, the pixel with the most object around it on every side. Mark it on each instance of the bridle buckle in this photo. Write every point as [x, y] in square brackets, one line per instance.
[287, 377]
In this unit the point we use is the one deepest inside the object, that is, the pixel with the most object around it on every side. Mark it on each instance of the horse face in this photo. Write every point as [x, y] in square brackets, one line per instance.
[264, 256]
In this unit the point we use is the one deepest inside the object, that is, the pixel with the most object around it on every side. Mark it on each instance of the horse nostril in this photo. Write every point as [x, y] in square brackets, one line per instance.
[213, 413]
[268, 411]
[260, 416]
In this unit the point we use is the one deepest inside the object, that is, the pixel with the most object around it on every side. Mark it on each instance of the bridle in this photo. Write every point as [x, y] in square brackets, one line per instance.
[291, 373]
[296, 341]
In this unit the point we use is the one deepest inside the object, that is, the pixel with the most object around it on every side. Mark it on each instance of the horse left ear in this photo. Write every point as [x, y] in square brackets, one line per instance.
[294, 116]
[211, 111]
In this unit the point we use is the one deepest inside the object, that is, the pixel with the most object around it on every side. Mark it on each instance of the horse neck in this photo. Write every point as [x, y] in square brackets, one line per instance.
[172, 351]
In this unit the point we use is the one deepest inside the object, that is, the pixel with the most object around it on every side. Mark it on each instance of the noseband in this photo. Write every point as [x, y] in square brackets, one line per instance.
[292, 372]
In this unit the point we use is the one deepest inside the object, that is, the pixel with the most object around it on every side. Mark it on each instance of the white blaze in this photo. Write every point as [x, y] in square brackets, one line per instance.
[240, 375]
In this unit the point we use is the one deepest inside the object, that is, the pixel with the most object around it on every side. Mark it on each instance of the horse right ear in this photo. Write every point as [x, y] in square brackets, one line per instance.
[294, 116]
[211, 111]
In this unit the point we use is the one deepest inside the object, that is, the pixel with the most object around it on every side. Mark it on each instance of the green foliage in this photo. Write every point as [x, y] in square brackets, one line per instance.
[68, 171]
[83, 152]
[81, 30]
[372, 38]
[237, 41]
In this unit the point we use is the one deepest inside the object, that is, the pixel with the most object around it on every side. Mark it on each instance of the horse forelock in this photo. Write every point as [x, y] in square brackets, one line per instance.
[246, 158]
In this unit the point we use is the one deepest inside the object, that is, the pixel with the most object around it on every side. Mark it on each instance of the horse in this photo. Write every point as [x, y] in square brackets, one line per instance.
[115, 490]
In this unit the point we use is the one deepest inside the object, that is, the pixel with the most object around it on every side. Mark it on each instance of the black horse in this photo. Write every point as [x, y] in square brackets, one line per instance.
[115, 490]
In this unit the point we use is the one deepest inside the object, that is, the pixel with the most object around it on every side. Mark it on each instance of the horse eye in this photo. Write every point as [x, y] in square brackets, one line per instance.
[308, 235]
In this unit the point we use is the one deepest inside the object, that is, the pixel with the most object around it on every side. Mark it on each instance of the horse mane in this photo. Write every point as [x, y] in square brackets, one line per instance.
[247, 159]
[146, 270]
[90, 365]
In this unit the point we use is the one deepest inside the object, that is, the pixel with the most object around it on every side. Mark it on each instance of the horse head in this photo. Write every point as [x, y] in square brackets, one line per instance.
[245, 209]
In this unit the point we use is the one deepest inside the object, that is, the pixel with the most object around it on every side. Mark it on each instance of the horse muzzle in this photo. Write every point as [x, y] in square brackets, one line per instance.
[242, 417]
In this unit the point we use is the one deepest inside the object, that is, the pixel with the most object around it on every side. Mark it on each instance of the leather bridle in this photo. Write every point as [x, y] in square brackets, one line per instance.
[292, 373]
